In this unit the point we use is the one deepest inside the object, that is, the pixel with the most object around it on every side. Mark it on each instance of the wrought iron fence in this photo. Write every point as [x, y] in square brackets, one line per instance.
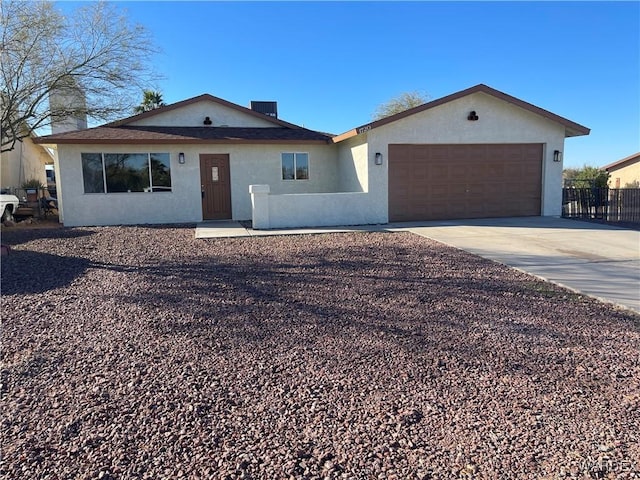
[607, 204]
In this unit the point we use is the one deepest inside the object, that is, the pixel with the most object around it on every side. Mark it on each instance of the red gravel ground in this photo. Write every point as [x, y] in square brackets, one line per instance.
[141, 352]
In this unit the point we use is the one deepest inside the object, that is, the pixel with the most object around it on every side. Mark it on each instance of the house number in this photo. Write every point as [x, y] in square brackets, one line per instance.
[214, 174]
[366, 128]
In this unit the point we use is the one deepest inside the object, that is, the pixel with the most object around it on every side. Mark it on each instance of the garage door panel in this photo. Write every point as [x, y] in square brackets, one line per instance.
[434, 151]
[438, 171]
[514, 191]
[494, 169]
[430, 182]
[439, 191]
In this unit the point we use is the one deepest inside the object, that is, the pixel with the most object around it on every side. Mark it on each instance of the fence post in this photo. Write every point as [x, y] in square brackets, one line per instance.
[260, 206]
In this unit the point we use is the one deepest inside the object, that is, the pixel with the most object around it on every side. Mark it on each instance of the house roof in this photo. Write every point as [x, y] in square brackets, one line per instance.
[625, 162]
[572, 129]
[122, 131]
[199, 98]
[113, 134]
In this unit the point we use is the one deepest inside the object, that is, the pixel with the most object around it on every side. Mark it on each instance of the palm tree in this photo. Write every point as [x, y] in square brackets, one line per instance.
[150, 101]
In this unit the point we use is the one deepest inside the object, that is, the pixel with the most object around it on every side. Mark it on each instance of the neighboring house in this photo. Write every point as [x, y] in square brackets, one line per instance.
[625, 172]
[476, 153]
[29, 160]
[26, 161]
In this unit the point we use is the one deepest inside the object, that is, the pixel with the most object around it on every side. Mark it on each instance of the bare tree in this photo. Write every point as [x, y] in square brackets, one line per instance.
[95, 51]
[398, 104]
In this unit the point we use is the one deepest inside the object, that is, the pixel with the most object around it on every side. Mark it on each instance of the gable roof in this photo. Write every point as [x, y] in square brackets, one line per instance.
[130, 134]
[199, 98]
[625, 162]
[122, 131]
[572, 129]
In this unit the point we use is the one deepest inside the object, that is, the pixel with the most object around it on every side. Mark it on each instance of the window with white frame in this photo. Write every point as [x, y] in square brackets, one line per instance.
[126, 172]
[295, 166]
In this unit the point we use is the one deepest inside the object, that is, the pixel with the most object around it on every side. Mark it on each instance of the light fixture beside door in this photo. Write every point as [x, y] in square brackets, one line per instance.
[557, 156]
[181, 158]
[378, 158]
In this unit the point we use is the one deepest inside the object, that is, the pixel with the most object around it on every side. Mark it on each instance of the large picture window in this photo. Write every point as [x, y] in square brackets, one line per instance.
[126, 172]
[295, 166]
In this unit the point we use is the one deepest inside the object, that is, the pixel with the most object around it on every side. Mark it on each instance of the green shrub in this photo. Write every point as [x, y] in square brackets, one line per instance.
[32, 183]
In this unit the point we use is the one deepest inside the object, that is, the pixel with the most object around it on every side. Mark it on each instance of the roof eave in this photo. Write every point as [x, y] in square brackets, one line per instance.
[624, 162]
[576, 132]
[344, 136]
[181, 141]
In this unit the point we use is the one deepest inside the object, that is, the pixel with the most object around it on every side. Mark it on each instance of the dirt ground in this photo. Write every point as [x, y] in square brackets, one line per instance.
[33, 223]
[142, 352]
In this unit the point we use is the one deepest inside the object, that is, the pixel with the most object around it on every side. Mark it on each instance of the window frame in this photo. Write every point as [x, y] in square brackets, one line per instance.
[295, 167]
[151, 188]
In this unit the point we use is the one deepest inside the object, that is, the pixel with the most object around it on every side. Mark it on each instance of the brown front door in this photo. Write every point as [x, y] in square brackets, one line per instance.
[215, 185]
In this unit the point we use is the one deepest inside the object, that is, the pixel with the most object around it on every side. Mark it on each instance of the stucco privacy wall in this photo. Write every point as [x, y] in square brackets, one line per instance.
[327, 209]
[193, 115]
[249, 164]
[311, 209]
[499, 122]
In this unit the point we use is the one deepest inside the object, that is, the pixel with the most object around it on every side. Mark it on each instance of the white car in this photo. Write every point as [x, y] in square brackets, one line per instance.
[8, 205]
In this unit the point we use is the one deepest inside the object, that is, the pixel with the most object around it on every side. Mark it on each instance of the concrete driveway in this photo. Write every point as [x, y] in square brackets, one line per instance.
[597, 260]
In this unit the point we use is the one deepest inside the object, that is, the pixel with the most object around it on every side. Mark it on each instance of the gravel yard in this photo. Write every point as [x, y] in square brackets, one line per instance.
[141, 352]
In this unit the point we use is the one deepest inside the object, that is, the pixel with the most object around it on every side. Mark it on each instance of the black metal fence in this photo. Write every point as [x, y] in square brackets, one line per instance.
[607, 204]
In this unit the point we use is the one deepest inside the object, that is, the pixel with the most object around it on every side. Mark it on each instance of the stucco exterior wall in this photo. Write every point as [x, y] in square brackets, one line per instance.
[621, 177]
[353, 167]
[87, 209]
[194, 114]
[262, 164]
[499, 122]
[249, 164]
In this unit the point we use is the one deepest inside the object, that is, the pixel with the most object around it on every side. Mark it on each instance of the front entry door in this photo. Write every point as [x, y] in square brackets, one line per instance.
[215, 185]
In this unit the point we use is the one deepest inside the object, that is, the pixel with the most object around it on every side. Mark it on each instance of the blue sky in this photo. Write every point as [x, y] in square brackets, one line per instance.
[330, 64]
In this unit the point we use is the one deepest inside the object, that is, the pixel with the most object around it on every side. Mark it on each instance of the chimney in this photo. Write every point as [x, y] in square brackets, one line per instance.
[68, 108]
[267, 108]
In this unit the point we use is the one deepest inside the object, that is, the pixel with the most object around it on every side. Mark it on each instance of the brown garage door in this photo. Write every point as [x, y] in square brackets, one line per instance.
[433, 182]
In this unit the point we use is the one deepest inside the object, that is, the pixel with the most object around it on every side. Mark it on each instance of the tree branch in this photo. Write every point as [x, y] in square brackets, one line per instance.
[95, 52]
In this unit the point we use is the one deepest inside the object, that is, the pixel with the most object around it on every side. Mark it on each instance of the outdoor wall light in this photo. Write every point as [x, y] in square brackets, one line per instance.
[557, 156]
[378, 158]
[473, 115]
[181, 158]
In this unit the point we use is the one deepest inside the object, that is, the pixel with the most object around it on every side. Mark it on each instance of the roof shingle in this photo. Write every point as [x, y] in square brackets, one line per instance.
[166, 135]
